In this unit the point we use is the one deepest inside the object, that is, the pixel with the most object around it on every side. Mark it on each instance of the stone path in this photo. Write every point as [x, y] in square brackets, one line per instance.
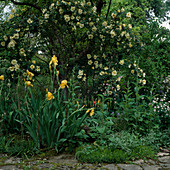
[68, 162]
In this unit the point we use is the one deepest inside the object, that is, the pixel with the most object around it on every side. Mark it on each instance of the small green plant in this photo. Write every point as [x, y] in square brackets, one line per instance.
[100, 154]
[136, 113]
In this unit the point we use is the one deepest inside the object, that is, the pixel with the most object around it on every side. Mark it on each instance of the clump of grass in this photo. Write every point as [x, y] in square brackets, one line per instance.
[17, 146]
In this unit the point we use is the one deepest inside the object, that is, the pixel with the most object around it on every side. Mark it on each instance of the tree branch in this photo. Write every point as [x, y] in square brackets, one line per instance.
[108, 8]
[26, 3]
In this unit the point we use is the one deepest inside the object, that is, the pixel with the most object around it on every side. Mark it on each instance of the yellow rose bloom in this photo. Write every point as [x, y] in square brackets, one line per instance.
[2, 77]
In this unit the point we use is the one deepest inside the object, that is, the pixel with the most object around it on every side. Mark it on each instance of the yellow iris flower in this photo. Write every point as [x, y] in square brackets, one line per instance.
[63, 84]
[53, 61]
[28, 83]
[2, 77]
[49, 95]
[30, 74]
[91, 111]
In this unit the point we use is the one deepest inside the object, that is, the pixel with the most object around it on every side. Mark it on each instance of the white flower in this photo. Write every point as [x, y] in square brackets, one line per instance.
[44, 10]
[29, 21]
[128, 15]
[118, 87]
[89, 3]
[123, 10]
[84, 78]
[80, 11]
[80, 72]
[11, 44]
[11, 68]
[112, 33]
[121, 62]
[104, 23]
[16, 67]
[114, 73]
[72, 8]
[79, 76]
[3, 43]
[67, 18]
[96, 62]
[72, 17]
[17, 30]
[94, 9]
[95, 57]
[119, 78]
[90, 36]
[16, 36]
[61, 11]
[144, 82]
[113, 15]
[52, 5]
[90, 62]
[88, 56]
[5, 38]
[94, 29]
[22, 51]
[109, 92]
[32, 67]
[77, 18]
[14, 62]
[46, 16]
[101, 73]
[91, 24]
[37, 68]
[81, 25]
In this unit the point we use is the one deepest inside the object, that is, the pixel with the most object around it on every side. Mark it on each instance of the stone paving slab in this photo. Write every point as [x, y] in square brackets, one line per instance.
[9, 167]
[151, 167]
[129, 167]
[68, 162]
